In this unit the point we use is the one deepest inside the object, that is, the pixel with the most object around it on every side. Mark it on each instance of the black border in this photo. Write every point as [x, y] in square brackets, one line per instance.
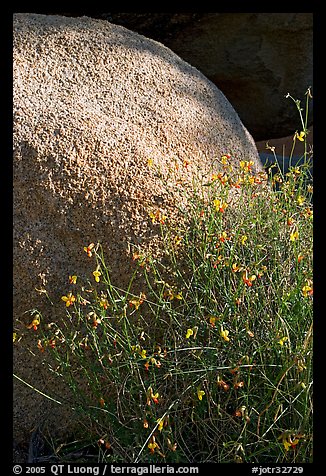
[7, 216]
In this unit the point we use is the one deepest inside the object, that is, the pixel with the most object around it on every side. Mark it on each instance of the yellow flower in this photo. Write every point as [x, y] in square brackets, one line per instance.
[243, 239]
[97, 273]
[14, 336]
[189, 333]
[307, 290]
[294, 235]
[69, 299]
[235, 267]
[286, 444]
[170, 293]
[150, 162]
[224, 334]
[225, 158]
[143, 354]
[246, 165]
[160, 422]
[283, 340]
[300, 200]
[200, 393]
[72, 279]
[177, 240]
[300, 136]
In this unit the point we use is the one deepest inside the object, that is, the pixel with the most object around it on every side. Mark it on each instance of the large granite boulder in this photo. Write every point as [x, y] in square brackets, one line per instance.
[254, 58]
[93, 102]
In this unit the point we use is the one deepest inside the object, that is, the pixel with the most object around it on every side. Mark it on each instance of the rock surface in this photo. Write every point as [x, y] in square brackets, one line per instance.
[93, 102]
[255, 59]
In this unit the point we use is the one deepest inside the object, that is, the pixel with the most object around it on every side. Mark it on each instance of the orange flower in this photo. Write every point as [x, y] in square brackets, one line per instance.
[40, 346]
[242, 412]
[155, 398]
[223, 237]
[212, 320]
[234, 371]
[157, 217]
[51, 343]
[102, 402]
[246, 165]
[150, 395]
[152, 445]
[88, 249]
[220, 206]
[104, 302]
[96, 322]
[34, 324]
[290, 440]
[137, 302]
[308, 213]
[223, 384]
[223, 178]
[248, 281]
[172, 447]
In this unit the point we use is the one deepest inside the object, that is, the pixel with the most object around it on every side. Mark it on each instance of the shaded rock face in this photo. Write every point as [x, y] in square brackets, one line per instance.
[254, 58]
[93, 102]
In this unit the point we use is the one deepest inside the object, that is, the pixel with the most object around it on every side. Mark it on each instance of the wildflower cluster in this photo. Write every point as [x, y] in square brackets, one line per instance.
[207, 355]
